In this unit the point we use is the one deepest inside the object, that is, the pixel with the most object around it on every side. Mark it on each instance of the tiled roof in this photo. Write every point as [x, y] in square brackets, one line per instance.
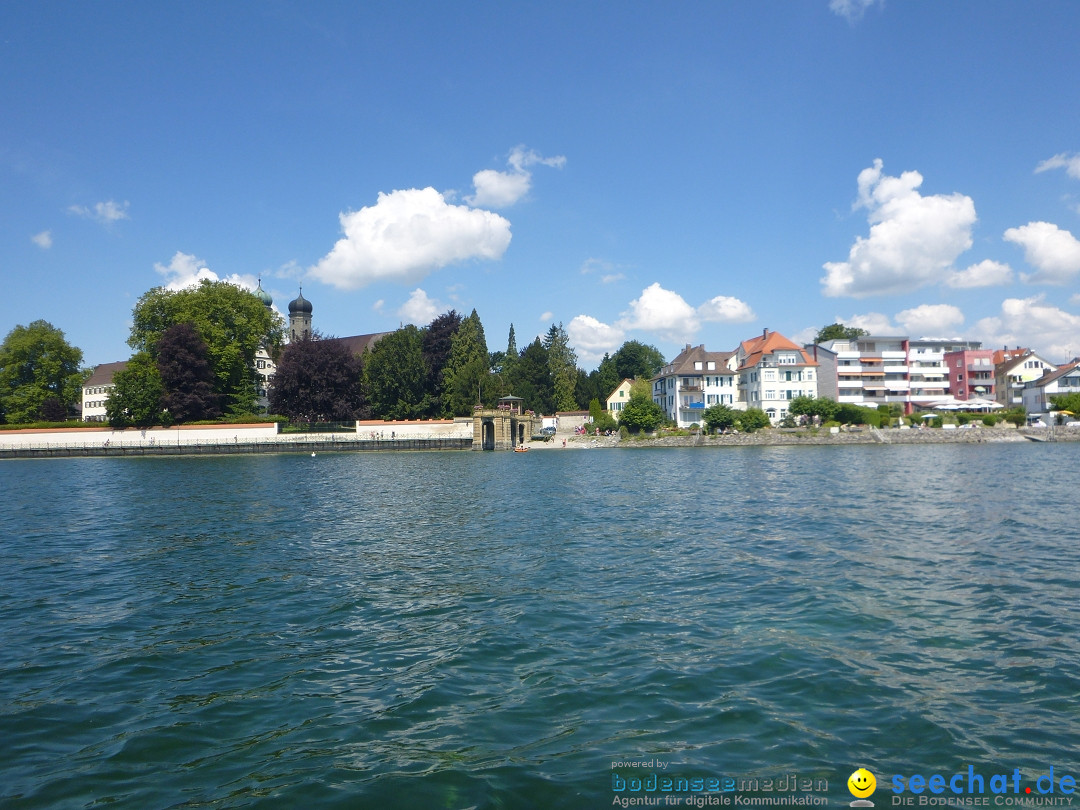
[357, 343]
[1053, 375]
[685, 360]
[768, 343]
[103, 374]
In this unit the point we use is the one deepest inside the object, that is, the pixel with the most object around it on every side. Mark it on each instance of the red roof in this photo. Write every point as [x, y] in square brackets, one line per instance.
[769, 343]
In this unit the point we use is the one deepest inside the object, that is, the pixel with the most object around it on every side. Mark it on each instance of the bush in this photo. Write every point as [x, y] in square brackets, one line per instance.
[1016, 416]
[989, 420]
[753, 419]
[936, 422]
[963, 418]
[623, 432]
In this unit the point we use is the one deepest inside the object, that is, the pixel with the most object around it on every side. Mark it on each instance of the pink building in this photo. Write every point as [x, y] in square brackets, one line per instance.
[971, 373]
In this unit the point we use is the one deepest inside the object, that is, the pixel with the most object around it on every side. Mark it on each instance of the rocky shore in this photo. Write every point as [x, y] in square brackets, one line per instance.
[780, 436]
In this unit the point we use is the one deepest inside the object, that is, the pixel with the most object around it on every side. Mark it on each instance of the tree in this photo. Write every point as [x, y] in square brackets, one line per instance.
[823, 407]
[183, 364]
[600, 417]
[138, 398]
[395, 376]
[1066, 402]
[436, 344]
[641, 413]
[468, 369]
[37, 364]
[635, 359]
[753, 419]
[233, 322]
[531, 379]
[562, 362]
[318, 380]
[837, 331]
[720, 417]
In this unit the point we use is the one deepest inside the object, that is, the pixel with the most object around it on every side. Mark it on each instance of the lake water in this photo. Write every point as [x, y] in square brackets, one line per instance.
[491, 630]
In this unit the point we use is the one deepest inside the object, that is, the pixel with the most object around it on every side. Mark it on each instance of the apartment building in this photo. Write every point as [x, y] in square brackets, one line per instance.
[693, 381]
[772, 371]
[1015, 369]
[971, 374]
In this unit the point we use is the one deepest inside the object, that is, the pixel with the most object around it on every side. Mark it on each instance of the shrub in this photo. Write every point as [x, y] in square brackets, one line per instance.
[989, 420]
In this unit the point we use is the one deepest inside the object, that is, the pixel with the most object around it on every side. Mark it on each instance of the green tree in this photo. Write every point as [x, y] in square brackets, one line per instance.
[635, 359]
[640, 412]
[438, 338]
[468, 370]
[837, 331]
[821, 407]
[318, 380]
[396, 376]
[37, 364]
[720, 417]
[138, 398]
[233, 322]
[1066, 402]
[531, 379]
[562, 361]
[752, 420]
[183, 364]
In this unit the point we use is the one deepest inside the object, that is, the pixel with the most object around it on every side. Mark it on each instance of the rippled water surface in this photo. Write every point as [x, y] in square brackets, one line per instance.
[454, 630]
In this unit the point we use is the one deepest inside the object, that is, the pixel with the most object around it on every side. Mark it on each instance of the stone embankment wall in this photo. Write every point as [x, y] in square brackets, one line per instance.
[865, 436]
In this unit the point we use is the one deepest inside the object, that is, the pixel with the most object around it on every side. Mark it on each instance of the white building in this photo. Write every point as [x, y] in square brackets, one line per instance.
[618, 399]
[1037, 393]
[95, 391]
[693, 381]
[772, 371]
[1014, 371]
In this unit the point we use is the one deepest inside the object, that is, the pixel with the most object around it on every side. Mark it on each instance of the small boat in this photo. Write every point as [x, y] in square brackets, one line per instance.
[521, 449]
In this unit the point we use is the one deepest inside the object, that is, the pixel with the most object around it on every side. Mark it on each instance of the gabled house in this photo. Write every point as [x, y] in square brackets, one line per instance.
[618, 398]
[96, 390]
[1015, 370]
[773, 371]
[693, 381]
[1065, 380]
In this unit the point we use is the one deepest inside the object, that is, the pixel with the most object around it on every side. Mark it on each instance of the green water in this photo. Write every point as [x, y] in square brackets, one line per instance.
[457, 630]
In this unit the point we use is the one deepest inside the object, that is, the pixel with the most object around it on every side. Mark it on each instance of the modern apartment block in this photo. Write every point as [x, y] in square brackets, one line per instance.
[692, 382]
[878, 369]
[971, 374]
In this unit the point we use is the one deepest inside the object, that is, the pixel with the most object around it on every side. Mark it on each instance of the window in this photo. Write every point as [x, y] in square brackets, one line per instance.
[712, 365]
[697, 365]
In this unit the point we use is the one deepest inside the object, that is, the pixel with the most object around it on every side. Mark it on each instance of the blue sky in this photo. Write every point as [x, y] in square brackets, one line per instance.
[667, 172]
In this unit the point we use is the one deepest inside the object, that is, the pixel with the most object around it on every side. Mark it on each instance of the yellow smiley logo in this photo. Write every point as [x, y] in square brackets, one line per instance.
[861, 783]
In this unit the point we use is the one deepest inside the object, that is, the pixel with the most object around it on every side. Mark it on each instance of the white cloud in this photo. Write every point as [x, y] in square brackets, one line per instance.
[419, 309]
[1049, 330]
[930, 320]
[408, 234]
[592, 338]
[103, 212]
[984, 274]
[851, 10]
[724, 309]
[185, 270]
[873, 322]
[378, 305]
[663, 312]
[612, 278]
[913, 239]
[43, 240]
[546, 316]
[1053, 251]
[495, 189]
[1070, 163]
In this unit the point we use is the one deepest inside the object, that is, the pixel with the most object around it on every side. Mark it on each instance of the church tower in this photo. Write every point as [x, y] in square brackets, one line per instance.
[299, 318]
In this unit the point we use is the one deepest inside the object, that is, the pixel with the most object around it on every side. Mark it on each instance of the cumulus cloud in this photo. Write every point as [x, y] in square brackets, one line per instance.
[495, 189]
[724, 309]
[930, 320]
[43, 240]
[1053, 251]
[984, 274]
[851, 10]
[913, 239]
[873, 322]
[104, 213]
[1050, 330]
[185, 270]
[408, 234]
[593, 338]
[662, 311]
[546, 316]
[1070, 163]
[419, 309]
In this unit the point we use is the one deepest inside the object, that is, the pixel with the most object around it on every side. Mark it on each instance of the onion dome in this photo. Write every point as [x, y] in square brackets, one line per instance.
[264, 296]
[300, 305]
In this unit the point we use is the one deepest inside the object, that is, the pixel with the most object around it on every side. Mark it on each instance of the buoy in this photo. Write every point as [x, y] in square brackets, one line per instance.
[313, 455]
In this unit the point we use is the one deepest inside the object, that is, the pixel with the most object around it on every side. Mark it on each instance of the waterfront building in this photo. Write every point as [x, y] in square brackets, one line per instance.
[873, 370]
[1064, 380]
[772, 371]
[692, 382]
[971, 374]
[1015, 369]
[95, 391]
[618, 398]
